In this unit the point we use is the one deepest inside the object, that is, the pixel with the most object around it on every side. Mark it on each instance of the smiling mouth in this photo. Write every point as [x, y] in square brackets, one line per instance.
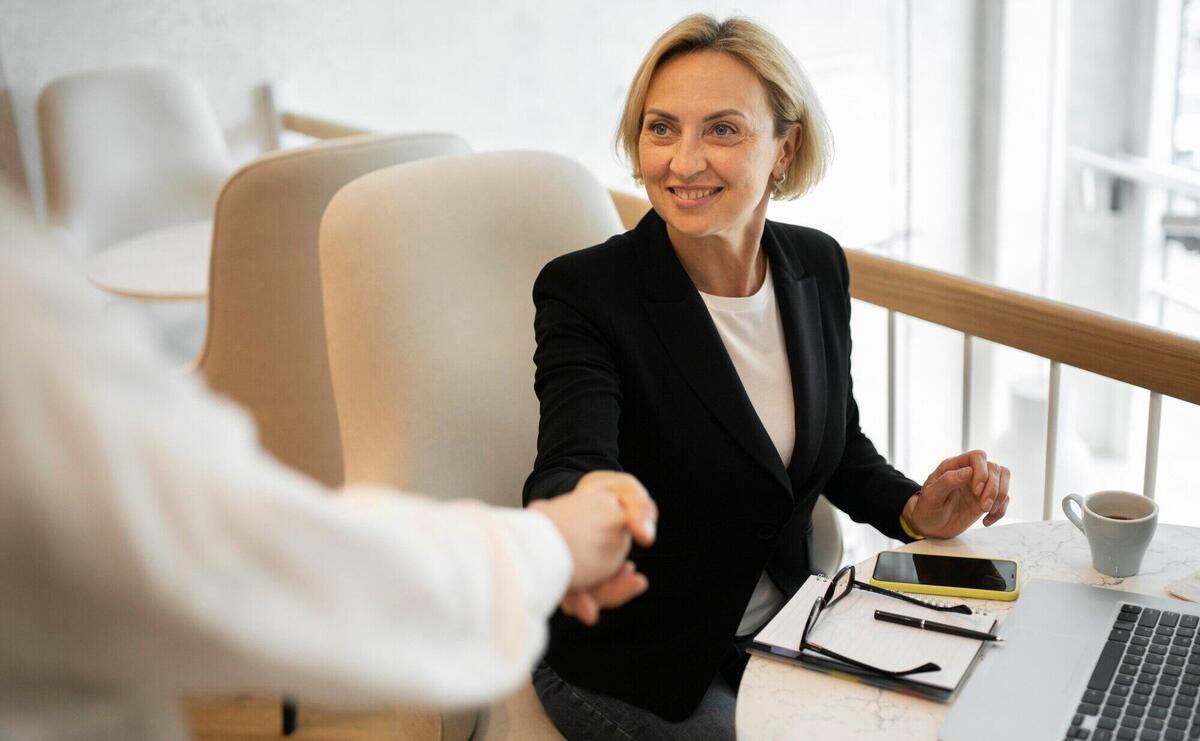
[694, 194]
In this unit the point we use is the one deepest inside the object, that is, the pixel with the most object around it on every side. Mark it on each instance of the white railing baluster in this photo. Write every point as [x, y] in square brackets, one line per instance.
[966, 393]
[1152, 427]
[891, 390]
[1051, 439]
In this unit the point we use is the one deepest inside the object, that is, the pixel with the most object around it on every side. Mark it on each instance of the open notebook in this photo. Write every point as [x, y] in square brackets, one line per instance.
[850, 628]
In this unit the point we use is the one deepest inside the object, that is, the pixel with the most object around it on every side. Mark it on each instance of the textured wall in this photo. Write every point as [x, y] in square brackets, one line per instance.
[527, 73]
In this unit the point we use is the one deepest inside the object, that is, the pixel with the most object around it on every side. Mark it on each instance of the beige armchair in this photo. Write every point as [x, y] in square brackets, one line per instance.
[427, 270]
[264, 345]
[265, 341]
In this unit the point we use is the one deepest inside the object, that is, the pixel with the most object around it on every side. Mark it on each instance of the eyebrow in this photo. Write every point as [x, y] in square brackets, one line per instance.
[709, 117]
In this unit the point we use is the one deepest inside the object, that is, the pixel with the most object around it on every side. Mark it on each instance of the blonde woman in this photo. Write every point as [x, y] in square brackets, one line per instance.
[707, 351]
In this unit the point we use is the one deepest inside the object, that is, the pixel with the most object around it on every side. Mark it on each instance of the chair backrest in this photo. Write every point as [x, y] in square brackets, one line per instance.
[427, 271]
[265, 342]
[825, 549]
[126, 151]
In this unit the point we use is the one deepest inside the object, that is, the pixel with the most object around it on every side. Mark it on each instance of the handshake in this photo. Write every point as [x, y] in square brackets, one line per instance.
[599, 519]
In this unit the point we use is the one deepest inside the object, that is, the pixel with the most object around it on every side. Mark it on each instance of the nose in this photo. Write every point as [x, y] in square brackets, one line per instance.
[689, 158]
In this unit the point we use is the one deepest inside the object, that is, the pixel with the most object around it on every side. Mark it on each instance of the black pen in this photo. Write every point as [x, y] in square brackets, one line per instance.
[954, 630]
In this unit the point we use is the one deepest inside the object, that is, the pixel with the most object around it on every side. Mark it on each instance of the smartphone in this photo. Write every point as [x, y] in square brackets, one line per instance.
[947, 576]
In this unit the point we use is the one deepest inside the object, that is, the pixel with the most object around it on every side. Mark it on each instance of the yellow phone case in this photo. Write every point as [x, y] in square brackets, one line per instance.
[955, 591]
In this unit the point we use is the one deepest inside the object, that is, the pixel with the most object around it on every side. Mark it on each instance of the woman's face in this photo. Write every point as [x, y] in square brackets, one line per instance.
[707, 148]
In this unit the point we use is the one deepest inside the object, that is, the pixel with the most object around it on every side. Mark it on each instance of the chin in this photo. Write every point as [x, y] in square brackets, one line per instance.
[691, 223]
[688, 225]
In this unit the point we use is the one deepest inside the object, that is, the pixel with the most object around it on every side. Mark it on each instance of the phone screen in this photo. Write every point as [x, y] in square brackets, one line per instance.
[946, 571]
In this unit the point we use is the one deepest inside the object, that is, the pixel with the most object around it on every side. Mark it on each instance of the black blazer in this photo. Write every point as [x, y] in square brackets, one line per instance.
[632, 375]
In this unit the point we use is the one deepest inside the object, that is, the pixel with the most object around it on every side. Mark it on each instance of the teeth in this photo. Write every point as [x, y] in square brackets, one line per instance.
[694, 194]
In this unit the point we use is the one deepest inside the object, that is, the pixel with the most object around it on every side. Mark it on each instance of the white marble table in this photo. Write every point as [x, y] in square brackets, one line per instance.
[778, 700]
[165, 264]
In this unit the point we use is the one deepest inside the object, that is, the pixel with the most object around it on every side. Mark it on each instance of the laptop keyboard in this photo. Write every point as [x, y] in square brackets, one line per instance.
[1146, 681]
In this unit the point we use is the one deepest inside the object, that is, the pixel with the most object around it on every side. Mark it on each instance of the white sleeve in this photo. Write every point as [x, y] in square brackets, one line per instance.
[146, 538]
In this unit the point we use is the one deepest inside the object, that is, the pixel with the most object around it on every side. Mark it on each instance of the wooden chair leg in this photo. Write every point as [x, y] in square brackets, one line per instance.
[289, 716]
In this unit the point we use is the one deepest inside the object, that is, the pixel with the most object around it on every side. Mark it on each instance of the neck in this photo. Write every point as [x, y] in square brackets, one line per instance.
[724, 264]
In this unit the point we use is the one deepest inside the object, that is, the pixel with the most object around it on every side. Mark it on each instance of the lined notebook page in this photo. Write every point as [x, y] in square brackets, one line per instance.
[850, 628]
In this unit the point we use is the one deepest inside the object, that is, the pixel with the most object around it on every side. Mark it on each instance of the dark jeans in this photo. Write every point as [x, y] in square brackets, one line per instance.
[583, 715]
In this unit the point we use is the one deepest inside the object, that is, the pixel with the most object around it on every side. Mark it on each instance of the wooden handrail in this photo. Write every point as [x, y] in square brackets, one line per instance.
[1151, 358]
[1126, 351]
[1137, 354]
[318, 128]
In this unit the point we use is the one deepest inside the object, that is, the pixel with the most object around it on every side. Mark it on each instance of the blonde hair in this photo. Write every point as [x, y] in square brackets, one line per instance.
[793, 101]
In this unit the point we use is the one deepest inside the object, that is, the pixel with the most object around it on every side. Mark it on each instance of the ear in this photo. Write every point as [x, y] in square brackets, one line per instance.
[789, 147]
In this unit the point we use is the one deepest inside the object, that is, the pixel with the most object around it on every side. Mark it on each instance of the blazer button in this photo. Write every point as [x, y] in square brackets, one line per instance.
[767, 532]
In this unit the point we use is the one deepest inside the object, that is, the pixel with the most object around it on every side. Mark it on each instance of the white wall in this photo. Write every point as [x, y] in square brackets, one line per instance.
[12, 168]
[527, 73]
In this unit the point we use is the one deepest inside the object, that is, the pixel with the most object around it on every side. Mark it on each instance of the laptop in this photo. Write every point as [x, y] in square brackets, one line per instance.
[1085, 662]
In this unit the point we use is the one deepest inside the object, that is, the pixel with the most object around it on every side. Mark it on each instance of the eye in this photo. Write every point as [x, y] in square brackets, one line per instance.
[724, 129]
[658, 128]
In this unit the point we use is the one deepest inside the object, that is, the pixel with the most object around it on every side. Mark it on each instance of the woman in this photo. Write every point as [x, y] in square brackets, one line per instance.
[707, 351]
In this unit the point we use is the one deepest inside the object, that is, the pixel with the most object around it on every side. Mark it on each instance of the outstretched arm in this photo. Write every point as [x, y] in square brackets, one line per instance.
[146, 540]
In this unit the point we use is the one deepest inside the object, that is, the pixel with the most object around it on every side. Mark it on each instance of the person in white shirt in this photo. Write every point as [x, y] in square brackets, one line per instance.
[149, 547]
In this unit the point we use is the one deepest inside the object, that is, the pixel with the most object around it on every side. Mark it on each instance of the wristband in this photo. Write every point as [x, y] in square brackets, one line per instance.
[908, 530]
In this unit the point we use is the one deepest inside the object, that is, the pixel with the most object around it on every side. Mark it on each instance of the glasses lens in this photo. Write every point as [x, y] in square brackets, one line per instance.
[840, 584]
[818, 605]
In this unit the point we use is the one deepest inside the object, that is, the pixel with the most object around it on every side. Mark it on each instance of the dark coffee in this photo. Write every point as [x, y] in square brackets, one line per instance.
[1117, 517]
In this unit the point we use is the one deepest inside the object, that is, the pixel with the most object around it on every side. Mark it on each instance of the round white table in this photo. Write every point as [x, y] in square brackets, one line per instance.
[777, 700]
[165, 264]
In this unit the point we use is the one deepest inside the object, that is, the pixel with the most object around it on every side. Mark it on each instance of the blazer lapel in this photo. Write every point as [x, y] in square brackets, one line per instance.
[683, 324]
[800, 311]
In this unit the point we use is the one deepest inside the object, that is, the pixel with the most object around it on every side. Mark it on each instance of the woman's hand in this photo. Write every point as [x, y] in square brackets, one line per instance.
[955, 495]
[597, 520]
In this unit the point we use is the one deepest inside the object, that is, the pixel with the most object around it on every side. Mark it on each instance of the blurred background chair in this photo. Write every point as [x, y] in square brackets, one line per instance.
[264, 344]
[133, 160]
[426, 271]
[128, 151]
[265, 340]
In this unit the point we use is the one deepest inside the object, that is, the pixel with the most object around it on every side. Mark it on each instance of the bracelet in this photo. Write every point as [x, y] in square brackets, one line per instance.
[908, 530]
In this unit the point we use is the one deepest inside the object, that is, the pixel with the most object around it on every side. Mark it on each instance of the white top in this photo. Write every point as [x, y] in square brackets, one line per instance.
[752, 332]
[149, 547]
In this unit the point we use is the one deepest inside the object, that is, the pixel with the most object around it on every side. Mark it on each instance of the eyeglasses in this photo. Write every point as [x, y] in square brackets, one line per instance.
[839, 587]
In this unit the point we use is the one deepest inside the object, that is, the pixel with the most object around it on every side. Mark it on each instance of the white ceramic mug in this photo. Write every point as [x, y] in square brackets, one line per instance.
[1119, 525]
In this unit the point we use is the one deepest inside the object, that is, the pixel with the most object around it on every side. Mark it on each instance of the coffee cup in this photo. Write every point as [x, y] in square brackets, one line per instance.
[1118, 525]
